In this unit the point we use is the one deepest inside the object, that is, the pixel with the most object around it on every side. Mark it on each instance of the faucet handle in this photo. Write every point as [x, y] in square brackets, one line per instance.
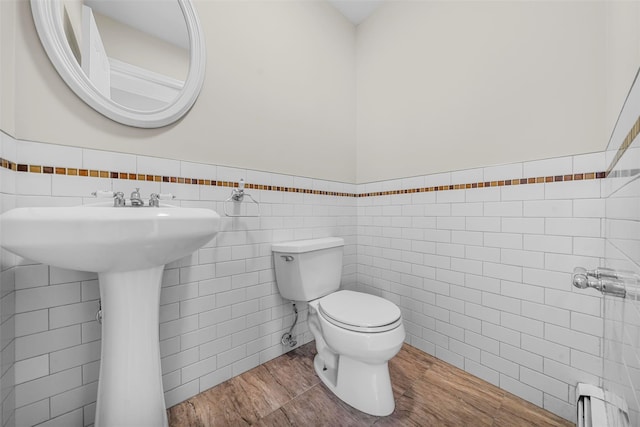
[118, 199]
[154, 200]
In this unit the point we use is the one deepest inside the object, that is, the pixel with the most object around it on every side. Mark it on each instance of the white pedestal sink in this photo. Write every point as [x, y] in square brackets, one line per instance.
[128, 248]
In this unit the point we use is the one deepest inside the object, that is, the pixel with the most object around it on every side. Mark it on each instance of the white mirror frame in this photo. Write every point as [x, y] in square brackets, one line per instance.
[46, 15]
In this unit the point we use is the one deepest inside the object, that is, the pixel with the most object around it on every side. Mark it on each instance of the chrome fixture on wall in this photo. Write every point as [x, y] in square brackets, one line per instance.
[605, 280]
[135, 200]
[237, 195]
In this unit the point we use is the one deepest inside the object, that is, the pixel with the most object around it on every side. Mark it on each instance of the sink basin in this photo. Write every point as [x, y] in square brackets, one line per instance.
[102, 238]
[128, 248]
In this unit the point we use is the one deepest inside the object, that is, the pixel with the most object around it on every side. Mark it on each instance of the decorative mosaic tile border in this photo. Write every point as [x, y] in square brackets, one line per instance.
[211, 182]
[156, 178]
[631, 136]
[501, 183]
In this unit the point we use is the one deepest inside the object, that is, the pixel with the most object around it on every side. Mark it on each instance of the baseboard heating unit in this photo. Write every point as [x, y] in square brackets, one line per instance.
[599, 408]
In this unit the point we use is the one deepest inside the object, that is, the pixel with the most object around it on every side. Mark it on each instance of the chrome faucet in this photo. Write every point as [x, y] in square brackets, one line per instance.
[154, 200]
[118, 199]
[135, 198]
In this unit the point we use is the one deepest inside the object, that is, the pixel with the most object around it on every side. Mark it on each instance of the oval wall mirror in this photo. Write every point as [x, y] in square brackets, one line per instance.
[140, 63]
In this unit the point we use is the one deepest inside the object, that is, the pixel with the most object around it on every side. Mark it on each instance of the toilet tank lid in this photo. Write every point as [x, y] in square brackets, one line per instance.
[300, 246]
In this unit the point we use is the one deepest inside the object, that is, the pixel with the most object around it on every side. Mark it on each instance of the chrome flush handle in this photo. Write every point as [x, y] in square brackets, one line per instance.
[287, 258]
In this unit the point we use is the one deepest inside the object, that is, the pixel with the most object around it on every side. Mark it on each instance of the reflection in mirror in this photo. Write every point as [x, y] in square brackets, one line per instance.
[120, 67]
[135, 53]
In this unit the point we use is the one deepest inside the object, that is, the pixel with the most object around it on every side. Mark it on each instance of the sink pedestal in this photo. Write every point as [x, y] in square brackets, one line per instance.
[130, 387]
[128, 248]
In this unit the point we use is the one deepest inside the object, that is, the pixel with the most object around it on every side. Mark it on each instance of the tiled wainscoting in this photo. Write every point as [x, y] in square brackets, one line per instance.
[622, 316]
[220, 310]
[482, 274]
[7, 294]
[621, 191]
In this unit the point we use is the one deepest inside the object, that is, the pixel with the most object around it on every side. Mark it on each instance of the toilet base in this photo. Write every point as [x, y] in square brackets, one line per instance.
[364, 386]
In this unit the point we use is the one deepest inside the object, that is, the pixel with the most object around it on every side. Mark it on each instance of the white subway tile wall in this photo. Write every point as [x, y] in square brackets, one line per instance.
[8, 369]
[220, 312]
[621, 227]
[483, 275]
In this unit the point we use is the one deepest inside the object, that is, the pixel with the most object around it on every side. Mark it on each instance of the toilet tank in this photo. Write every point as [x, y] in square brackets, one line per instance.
[308, 269]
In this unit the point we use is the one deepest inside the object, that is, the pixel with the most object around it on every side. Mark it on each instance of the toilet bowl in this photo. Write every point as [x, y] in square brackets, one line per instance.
[354, 363]
[356, 334]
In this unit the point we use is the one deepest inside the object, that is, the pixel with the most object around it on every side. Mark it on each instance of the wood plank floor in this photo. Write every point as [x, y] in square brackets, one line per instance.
[428, 392]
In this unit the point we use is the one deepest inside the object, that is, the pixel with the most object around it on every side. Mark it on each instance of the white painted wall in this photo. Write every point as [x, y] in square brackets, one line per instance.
[504, 82]
[452, 85]
[7, 67]
[135, 47]
[440, 86]
[279, 93]
[622, 55]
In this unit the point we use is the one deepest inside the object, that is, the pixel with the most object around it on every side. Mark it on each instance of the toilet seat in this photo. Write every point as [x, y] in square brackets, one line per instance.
[359, 312]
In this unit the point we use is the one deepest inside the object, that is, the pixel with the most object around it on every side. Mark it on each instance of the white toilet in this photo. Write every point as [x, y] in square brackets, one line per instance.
[356, 333]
